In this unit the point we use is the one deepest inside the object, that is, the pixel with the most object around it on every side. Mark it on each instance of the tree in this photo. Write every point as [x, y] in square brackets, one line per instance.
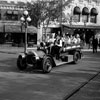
[43, 11]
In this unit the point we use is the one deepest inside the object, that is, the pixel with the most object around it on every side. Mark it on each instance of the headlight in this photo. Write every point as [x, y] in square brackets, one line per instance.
[37, 58]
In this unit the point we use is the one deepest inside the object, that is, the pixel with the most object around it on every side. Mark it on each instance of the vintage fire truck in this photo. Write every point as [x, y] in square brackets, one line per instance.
[41, 59]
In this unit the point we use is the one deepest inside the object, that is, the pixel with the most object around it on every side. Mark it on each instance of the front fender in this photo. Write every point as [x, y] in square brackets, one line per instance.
[53, 61]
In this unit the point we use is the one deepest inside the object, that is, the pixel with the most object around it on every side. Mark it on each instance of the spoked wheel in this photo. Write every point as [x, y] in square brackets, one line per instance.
[76, 57]
[21, 63]
[47, 64]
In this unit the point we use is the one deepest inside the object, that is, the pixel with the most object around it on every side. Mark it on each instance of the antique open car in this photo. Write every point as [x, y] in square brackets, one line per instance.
[41, 59]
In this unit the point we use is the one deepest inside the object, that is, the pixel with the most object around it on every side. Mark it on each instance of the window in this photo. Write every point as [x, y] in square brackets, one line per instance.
[15, 17]
[93, 15]
[12, 15]
[85, 14]
[76, 12]
[8, 17]
[93, 19]
[76, 18]
[85, 18]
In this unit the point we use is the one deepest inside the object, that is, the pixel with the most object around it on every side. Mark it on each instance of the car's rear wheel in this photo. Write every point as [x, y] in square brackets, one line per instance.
[21, 63]
[76, 57]
[47, 64]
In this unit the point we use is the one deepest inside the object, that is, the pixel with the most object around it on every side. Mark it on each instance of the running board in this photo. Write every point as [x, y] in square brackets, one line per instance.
[64, 60]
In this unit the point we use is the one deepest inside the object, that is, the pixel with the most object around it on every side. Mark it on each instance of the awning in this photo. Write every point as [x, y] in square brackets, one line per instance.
[82, 27]
[77, 10]
[15, 12]
[30, 29]
[85, 11]
[9, 12]
[12, 28]
[93, 12]
[19, 29]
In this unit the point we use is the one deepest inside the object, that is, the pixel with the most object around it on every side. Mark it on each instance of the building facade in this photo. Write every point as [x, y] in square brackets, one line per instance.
[83, 11]
[78, 17]
[83, 17]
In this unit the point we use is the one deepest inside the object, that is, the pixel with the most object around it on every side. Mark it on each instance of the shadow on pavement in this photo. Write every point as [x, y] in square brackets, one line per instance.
[10, 65]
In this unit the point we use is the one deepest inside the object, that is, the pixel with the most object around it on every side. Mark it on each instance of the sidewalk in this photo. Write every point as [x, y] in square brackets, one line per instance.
[17, 50]
[11, 50]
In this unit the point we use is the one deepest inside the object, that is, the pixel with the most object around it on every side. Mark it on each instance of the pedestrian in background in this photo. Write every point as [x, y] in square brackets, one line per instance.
[90, 43]
[99, 43]
[95, 44]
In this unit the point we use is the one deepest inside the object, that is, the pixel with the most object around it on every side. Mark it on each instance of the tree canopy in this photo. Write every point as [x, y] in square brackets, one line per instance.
[45, 11]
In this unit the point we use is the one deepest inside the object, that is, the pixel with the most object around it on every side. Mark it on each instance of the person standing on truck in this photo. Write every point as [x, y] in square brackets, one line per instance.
[58, 44]
[63, 39]
[78, 38]
[56, 48]
[68, 40]
[74, 40]
[51, 41]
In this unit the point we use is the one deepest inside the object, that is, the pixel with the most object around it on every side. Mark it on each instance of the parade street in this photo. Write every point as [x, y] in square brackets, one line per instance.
[56, 85]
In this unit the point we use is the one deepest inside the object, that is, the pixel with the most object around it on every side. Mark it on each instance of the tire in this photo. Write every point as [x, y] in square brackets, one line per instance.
[76, 57]
[47, 64]
[21, 63]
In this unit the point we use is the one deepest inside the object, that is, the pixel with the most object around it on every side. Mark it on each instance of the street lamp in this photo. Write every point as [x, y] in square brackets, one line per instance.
[25, 19]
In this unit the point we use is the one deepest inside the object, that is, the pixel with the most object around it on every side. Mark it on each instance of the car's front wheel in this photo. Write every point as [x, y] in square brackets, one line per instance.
[21, 63]
[47, 64]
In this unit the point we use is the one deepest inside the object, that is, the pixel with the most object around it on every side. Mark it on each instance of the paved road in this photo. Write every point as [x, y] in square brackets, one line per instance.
[34, 85]
[89, 92]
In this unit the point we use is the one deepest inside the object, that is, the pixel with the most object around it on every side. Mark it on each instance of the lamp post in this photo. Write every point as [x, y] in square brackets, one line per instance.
[25, 19]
